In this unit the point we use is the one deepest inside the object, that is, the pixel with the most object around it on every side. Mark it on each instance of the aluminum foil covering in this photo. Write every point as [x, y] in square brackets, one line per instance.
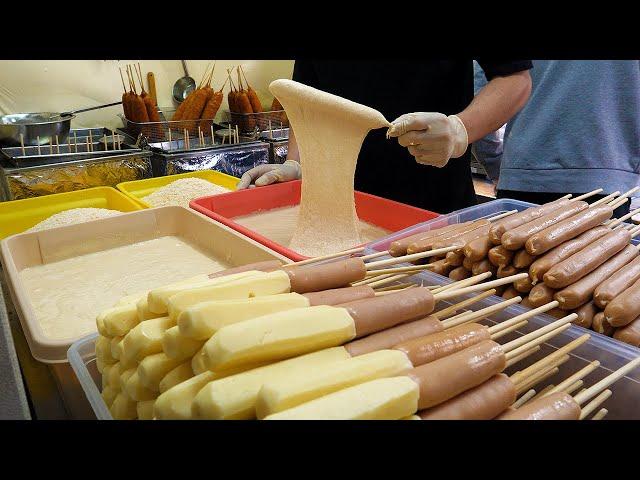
[280, 151]
[233, 161]
[21, 183]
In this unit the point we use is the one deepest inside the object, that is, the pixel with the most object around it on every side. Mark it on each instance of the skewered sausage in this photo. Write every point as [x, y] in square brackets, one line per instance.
[617, 283]
[393, 336]
[441, 267]
[459, 273]
[585, 315]
[467, 263]
[541, 294]
[374, 314]
[625, 308]
[447, 239]
[512, 221]
[523, 285]
[581, 292]
[483, 402]
[506, 271]
[244, 107]
[482, 267]
[428, 349]
[477, 249]
[399, 247]
[542, 265]
[586, 260]
[462, 239]
[516, 238]
[314, 278]
[554, 235]
[454, 259]
[601, 325]
[510, 292]
[451, 375]
[523, 259]
[630, 333]
[557, 406]
[500, 256]
[336, 296]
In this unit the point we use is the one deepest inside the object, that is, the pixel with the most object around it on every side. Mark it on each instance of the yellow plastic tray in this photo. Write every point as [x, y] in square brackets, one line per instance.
[20, 215]
[138, 189]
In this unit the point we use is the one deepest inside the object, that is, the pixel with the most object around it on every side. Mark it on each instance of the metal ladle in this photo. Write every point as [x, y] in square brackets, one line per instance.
[183, 86]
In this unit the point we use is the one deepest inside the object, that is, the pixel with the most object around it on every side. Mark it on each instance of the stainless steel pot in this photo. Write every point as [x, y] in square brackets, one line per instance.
[42, 125]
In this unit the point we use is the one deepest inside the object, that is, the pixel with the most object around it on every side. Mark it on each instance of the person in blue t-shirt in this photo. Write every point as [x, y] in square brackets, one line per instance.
[579, 131]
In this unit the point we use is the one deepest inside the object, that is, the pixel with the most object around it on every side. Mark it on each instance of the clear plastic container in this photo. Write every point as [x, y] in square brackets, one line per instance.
[610, 353]
[82, 358]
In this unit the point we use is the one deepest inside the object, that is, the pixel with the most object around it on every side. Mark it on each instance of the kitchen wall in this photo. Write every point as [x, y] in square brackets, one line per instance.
[61, 85]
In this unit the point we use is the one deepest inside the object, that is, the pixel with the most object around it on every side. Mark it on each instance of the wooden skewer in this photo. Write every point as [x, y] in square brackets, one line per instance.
[569, 347]
[104, 138]
[543, 391]
[464, 283]
[480, 314]
[364, 258]
[605, 199]
[588, 194]
[523, 316]
[24, 153]
[57, 145]
[368, 280]
[38, 140]
[541, 375]
[411, 257]
[213, 141]
[617, 221]
[539, 378]
[380, 292]
[579, 375]
[75, 142]
[400, 286]
[538, 341]
[88, 145]
[618, 202]
[521, 356]
[508, 330]
[590, 407]
[170, 145]
[237, 135]
[113, 139]
[329, 256]
[601, 414]
[51, 146]
[635, 231]
[413, 269]
[90, 140]
[122, 78]
[535, 334]
[390, 279]
[573, 387]
[524, 399]
[446, 312]
[482, 286]
[595, 389]
[628, 193]
[502, 215]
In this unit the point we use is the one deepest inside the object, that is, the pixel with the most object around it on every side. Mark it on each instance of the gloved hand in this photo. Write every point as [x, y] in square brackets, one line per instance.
[432, 138]
[269, 173]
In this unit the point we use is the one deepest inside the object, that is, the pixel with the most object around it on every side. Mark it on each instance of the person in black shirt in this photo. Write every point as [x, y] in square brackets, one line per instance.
[415, 169]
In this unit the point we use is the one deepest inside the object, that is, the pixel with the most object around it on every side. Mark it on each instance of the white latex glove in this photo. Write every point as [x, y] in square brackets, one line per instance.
[269, 173]
[432, 138]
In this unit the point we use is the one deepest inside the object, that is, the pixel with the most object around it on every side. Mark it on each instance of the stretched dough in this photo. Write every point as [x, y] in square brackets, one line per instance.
[329, 131]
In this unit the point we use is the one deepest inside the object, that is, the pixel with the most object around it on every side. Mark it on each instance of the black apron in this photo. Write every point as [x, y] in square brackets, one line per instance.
[394, 88]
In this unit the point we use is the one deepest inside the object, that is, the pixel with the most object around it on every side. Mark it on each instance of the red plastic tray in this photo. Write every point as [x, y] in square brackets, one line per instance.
[387, 214]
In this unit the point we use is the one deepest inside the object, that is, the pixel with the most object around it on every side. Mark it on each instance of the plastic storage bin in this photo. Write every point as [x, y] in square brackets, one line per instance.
[138, 189]
[484, 210]
[20, 215]
[610, 353]
[29, 249]
[378, 211]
